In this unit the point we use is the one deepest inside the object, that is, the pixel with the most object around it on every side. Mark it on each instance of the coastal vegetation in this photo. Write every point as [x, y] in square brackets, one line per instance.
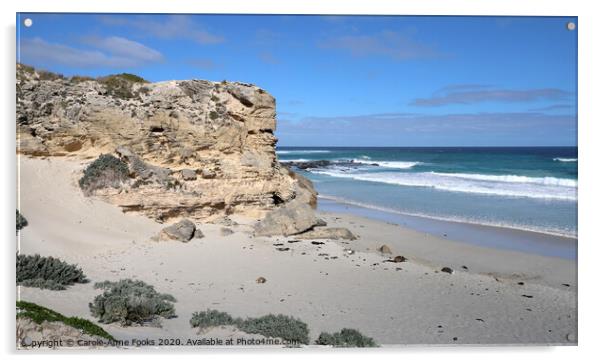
[346, 338]
[40, 314]
[106, 171]
[275, 326]
[21, 221]
[47, 272]
[121, 85]
[211, 318]
[130, 302]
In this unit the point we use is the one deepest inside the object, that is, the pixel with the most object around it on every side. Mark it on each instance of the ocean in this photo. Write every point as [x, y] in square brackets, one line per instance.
[524, 188]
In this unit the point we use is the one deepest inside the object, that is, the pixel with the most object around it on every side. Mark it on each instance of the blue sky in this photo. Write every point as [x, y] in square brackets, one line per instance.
[346, 81]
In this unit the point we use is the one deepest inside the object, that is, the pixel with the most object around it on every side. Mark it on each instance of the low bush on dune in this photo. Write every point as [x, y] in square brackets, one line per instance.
[275, 326]
[21, 221]
[211, 318]
[40, 314]
[130, 302]
[47, 272]
[104, 172]
[346, 338]
[281, 326]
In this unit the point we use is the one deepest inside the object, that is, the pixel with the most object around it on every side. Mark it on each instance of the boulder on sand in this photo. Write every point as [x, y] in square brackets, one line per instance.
[295, 216]
[327, 233]
[291, 218]
[182, 231]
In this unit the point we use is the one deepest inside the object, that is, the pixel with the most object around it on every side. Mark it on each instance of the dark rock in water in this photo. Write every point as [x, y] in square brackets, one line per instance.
[304, 165]
[520, 283]
[447, 270]
[294, 241]
[464, 267]
[261, 280]
[528, 296]
[282, 249]
[182, 231]
[317, 243]
[566, 285]
[317, 164]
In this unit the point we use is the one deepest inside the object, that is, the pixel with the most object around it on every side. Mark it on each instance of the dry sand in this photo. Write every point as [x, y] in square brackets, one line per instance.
[329, 286]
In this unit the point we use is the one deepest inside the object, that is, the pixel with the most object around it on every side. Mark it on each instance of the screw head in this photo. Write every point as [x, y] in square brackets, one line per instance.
[570, 25]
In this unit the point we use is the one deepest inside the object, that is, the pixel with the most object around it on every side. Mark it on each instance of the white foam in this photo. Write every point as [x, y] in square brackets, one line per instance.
[294, 160]
[566, 160]
[389, 164]
[551, 231]
[284, 152]
[513, 179]
[552, 188]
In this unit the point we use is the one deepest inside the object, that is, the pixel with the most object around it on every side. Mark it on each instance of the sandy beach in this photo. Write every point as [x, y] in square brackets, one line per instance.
[494, 296]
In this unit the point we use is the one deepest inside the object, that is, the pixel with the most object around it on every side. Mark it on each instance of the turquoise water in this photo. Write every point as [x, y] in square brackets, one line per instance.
[531, 189]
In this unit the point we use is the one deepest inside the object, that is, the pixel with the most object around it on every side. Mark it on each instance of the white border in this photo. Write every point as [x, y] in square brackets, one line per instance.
[590, 118]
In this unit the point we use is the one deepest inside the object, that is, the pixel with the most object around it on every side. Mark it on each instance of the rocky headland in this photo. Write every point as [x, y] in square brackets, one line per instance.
[194, 149]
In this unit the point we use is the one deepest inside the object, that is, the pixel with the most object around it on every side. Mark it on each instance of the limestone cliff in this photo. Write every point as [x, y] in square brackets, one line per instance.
[195, 149]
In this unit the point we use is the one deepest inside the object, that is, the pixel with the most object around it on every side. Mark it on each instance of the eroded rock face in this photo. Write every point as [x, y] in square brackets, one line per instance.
[196, 149]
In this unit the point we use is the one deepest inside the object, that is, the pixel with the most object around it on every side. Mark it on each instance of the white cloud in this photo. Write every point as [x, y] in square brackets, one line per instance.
[171, 27]
[130, 49]
[395, 45]
[113, 52]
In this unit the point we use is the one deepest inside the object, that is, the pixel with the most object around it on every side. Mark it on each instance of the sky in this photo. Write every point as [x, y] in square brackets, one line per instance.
[345, 80]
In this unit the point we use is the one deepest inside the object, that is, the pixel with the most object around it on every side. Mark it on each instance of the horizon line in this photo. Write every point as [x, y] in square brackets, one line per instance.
[499, 146]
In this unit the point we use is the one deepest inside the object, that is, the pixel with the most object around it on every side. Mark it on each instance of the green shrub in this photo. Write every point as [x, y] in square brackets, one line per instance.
[213, 115]
[346, 338]
[106, 171]
[21, 221]
[79, 79]
[130, 302]
[277, 326]
[120, 85]
[49, 76]
[40, 314]
[210, 319]
[47, 272]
